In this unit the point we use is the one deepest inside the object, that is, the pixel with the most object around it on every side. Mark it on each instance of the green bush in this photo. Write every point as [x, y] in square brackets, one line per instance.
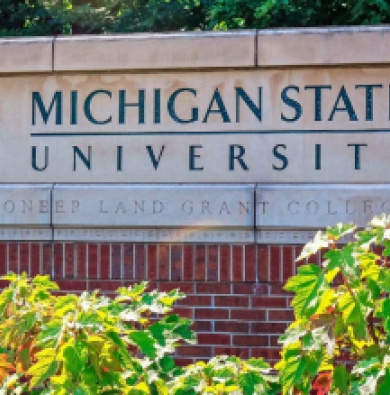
[340, 340]
[88, 344]
[91, 344]
[226, 375]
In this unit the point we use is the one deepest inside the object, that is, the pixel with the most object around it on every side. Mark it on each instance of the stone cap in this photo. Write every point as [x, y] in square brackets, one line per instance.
[328, 46]
[190, 50]
[323, 46]
[26, 55]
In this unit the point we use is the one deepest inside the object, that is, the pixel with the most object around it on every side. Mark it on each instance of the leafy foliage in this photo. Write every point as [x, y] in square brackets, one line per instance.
[89, 344]
[226, 375]
[43, 17]
[341, 335]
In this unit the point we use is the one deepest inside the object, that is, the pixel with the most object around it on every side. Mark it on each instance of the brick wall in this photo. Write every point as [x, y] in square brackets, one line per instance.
[234, 292]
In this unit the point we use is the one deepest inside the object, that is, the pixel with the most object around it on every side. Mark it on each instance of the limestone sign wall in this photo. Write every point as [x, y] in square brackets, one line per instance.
[193, 137]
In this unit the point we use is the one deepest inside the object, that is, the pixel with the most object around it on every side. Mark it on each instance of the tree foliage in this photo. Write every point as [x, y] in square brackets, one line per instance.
[43, 17]
[340, 339]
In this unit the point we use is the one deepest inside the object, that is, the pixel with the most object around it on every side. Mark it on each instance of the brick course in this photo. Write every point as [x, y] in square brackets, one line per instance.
[234, 292]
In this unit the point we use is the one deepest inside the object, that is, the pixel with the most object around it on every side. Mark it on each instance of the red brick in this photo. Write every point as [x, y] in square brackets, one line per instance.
[128, 264]
[248, 315]
[263, 263]
[233, 351]
[202, 326]
[277, 289]
[72, 285]
[194, 351]
[200, 263]
[280, 315]
[213, 288]
[195, 300]
[275, 262]
[231, 326]
[3, 258]
[176, 263]
[273, 341]
[13, 258]
[298, 250]
[250, 340]
[35, 259]
[163, 262]
[231, 301]
[58, 259]
[212, 314]
[111, 285]
[48, 258]
[212, 263]
[237, 263]
[116, 269]
[243, 289]
[24, 257]
[225, 262]
[69, 260]
[3, 284]
[270, 354]
[213, 338]
[185, 312]
[268, 327]
[105, 256]
[250, 263]
[187, 288]
[184, 361]
[263, 302]
[93, 261]
[188, 262]
[288, 262]
[140, 262]
[81, 260]
[152, 262]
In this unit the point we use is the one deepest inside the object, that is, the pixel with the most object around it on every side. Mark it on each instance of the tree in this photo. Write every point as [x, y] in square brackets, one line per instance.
[42, 17]
[236, 14]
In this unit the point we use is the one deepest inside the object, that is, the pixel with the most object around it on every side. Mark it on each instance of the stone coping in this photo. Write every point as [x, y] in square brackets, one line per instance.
[197, 50]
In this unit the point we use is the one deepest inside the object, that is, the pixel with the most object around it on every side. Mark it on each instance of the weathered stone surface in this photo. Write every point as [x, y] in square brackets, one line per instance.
[318, 206]
[151, 206]
[27, 205]
[323, 46]
[183, 235]
[25, 234]
[155, 51]
[26, 55]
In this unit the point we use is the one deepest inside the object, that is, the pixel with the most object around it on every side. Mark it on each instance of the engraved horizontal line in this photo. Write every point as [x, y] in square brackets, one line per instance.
[197, 133]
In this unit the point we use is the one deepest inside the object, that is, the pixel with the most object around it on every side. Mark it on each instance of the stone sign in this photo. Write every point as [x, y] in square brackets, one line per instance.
[322, 125]
[222, 137]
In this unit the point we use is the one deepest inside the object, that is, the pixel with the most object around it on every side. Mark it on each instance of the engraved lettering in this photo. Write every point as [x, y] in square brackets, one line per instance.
[27, 206]
[329, 208]
[347, 208]
[9, 206]
[101, 209]
[225, 208]
[158, 207]
[187, 207]
[75, 206]
[312, 207]
[367, 207]
[43, 206]
[263, 206]
[59, 206]
[293, 210]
